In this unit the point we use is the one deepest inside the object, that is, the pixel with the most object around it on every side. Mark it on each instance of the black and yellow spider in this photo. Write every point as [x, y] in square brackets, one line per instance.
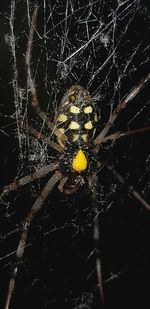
[78, 144]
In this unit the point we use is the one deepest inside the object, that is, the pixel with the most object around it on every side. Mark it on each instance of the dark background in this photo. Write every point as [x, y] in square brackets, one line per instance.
[58, 267]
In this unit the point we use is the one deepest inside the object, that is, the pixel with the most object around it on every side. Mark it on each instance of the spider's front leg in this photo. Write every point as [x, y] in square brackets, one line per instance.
[119, 135]
[31, 83]
[122, 105]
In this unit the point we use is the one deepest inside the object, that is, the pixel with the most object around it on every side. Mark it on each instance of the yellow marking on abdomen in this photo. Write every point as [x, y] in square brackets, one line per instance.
[74, 109]
[62, 118]
[84, 137]
[88, 109]
[74, 125]
[79, 163]
[75, 137]
[88, 125]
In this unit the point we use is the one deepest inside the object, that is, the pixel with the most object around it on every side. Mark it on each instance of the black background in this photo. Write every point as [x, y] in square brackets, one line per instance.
[58, 267]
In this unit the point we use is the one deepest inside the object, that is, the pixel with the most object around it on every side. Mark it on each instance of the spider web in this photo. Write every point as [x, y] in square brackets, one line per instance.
[103, 46]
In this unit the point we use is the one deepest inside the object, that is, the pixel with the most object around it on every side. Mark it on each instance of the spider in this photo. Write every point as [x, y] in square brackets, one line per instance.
[76, 140]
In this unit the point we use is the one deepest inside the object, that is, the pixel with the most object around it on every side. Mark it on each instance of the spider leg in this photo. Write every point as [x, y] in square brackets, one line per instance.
[17, 183]
[130, 188]
[21, 247]
[118, 135]
[122, 104]
[40, 136]
[68, 191]
[96, 236]
[35, 102]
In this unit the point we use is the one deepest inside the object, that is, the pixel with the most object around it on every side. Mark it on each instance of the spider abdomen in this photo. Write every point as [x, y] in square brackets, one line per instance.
[77, 116]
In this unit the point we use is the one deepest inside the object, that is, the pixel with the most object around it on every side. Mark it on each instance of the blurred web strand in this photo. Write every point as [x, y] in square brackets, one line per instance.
[96, 34]
[112, 54]
[15, 77]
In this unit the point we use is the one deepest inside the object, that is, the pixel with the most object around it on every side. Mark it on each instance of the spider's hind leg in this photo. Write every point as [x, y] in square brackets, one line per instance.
[130, 188]
[96, 236]
[26, 224]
